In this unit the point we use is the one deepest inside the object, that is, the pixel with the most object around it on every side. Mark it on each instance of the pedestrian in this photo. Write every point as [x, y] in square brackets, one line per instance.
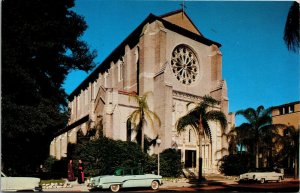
[80, 172]
[71, 176]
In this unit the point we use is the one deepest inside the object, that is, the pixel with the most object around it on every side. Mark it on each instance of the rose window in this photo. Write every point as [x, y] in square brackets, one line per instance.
[184, 64]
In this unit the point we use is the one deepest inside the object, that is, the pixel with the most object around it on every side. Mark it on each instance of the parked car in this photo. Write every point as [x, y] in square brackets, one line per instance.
[261, 175]
[125, 178]
[20, 183]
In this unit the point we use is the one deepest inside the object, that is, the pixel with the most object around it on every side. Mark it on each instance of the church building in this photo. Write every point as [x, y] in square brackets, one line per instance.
[169, 57]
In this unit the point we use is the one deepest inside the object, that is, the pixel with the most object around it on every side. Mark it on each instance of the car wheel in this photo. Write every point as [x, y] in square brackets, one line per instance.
[279, 179]
[115, 187]
[154, 185]
[262, 180]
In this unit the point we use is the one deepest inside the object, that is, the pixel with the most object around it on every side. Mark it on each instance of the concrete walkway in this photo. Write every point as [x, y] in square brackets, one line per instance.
[167, 184]
[179, 183]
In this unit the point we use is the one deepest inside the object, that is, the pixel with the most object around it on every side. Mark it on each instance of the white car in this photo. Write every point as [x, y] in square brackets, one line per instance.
[19, 183]
[261, 175]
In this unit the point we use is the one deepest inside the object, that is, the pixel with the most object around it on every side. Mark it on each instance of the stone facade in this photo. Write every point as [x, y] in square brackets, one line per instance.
[168, 56]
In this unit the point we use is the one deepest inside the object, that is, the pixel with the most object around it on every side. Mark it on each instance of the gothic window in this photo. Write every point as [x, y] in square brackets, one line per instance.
[105, 79]
[190, 133]
[184, 64]
[120, 70]
[78, 102]
[86, 97]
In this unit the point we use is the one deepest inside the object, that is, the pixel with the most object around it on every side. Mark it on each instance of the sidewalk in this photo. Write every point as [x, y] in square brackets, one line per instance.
[167, 184]
[181, 183]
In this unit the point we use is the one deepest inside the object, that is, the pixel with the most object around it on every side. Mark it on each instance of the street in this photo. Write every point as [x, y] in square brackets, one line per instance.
[285, 186]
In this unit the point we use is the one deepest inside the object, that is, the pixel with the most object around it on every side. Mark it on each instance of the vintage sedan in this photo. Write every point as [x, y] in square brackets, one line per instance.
[125, 178]
[19, 183]
[261, 175]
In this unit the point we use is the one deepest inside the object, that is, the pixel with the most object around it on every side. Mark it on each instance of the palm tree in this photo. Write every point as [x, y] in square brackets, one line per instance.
[269, 139]
[198, 118]
[240, 136]
[290, 150]
[257, 120]
[139, 117]
[291, 31]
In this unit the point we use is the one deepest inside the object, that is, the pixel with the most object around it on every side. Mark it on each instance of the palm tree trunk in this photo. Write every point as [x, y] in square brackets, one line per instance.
[142, 131]
[142, 139]
[200, 149]
[256, 155]
[200, 160]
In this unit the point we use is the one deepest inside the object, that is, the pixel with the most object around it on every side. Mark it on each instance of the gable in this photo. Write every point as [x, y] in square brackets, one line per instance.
[181, 19]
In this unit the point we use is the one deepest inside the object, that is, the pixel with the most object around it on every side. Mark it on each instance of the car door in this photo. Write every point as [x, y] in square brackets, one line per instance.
[128, 179]
[134, 178]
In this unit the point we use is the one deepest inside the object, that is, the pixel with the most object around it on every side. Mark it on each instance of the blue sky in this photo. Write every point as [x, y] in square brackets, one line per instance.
[257, 66]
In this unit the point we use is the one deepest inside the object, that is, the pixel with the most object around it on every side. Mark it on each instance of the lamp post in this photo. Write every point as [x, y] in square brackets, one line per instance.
[158, 142]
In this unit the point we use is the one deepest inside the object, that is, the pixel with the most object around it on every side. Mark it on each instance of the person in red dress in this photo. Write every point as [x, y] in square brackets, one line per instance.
[71, 176]
[80, 172]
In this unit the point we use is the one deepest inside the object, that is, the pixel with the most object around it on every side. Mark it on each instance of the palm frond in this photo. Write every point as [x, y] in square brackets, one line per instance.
[217, 116]
[185, 121]
[206, 129]
[291, 30]
[155, 117]
[135, 117]
[249, 114]
[210, 100]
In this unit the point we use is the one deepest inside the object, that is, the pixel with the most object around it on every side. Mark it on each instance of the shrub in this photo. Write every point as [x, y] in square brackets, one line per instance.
[235, 164]
[170, 163]
[54, 169]
[104, 155]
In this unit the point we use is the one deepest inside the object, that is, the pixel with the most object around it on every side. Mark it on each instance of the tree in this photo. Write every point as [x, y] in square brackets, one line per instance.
[199, 118]
[40, 46]
[259, 126]
[141, 116]
[241, 137]
[291, 30]
[290, 149]
[269, 140]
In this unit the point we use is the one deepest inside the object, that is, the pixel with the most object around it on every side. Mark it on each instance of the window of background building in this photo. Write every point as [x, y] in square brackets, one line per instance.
[281, 111]
[286, 110]
[292, 109]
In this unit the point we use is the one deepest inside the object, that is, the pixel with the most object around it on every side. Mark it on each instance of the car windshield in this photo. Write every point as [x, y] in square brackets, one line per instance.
[118, 172]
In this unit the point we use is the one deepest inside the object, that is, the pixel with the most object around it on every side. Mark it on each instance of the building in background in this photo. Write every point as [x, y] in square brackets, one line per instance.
[170, 57]
[289, 115]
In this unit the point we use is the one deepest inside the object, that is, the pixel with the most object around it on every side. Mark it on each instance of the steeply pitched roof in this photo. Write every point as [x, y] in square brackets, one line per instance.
[133, 39]
[180, 18]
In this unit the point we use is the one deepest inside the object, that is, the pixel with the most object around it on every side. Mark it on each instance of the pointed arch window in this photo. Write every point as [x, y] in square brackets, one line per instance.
[190, 135]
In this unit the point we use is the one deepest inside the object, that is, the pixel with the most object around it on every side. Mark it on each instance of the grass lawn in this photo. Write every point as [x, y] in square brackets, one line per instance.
[52, 181]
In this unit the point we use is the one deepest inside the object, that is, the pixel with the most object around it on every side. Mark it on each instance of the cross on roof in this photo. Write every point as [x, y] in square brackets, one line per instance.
[182, 6]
